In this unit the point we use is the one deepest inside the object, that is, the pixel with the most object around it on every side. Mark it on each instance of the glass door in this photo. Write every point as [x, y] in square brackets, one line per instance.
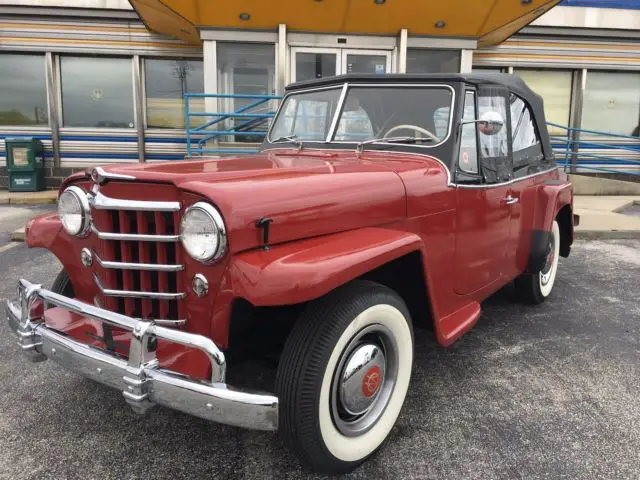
[366, 61]
[312, 63]
[308, 63]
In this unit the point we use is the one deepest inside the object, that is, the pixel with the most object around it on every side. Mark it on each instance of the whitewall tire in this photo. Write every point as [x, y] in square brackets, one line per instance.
[535, 287]
[343, 376]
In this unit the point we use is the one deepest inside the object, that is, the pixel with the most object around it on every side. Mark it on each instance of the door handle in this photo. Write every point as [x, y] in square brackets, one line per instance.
[510, 200]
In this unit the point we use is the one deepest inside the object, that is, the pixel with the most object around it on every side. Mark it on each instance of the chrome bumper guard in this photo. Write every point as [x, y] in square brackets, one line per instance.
[142, 382]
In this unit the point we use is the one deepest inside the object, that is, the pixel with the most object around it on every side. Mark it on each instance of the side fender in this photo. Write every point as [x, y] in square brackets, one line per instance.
[551, 196]
[304, 270]
[42, 231]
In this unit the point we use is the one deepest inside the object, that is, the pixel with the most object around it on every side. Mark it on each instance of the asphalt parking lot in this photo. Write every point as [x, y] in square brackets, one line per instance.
[532, 392]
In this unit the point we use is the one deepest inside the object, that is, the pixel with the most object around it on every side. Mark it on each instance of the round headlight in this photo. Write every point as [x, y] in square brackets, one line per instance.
[202, 232]
[73, 208]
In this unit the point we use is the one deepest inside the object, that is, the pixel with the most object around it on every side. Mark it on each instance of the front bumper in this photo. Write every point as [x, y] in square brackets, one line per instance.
[142, 382]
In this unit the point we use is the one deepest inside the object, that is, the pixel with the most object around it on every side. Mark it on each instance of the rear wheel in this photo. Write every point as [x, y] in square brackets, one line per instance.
[343, 376]
[536, 287]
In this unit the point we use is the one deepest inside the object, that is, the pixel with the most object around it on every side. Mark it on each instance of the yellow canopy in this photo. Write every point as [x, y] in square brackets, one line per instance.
[488, 21]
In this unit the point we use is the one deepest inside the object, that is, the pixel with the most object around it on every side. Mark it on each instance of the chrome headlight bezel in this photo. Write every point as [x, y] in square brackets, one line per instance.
[80, 196]
[218, 223]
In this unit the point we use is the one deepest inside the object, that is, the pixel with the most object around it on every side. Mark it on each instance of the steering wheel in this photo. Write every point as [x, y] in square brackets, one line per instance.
[416, 128]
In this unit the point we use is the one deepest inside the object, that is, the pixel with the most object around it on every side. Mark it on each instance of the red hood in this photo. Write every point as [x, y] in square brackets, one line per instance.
[306, 193]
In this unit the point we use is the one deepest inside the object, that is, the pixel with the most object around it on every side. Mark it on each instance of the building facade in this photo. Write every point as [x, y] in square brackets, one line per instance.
[96, 85]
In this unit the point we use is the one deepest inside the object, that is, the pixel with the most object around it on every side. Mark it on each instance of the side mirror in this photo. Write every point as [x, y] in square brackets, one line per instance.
[490, 123]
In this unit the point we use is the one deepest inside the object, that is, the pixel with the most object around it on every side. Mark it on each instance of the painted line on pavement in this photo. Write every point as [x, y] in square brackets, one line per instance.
[8, 246]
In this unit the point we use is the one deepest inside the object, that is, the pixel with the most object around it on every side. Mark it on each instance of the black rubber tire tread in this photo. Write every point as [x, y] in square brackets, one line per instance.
[303, 362]
[528, 287]
[62, 285]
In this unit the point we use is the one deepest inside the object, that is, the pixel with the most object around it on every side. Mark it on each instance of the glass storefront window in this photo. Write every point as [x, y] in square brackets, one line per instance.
[421, 60]
[555, 88]
[23, 92]
[246, 68]
[166, 82]
[612, 102]
[97, 92]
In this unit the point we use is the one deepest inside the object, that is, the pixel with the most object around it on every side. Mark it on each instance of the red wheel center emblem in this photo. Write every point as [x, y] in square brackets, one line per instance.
[371, 381]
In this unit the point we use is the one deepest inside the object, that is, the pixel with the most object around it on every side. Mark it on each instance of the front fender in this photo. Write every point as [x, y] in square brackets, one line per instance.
[42, 231]
[304, 270]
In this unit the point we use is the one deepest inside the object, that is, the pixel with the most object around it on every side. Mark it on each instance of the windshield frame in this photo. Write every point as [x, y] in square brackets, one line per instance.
[330, 138]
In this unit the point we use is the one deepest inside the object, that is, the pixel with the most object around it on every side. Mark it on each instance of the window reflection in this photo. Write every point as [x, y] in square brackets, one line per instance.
[554, 86]
[97, 92]
[23, 93]
[612, 102]
[166, 82]
[422, 60]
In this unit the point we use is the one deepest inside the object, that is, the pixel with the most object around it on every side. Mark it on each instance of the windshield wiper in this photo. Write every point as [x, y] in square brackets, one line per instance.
[289, 138]
[361, 145]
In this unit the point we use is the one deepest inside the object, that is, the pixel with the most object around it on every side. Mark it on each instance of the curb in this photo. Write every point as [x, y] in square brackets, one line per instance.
[18, 235]
[29, 201]
[607, 234]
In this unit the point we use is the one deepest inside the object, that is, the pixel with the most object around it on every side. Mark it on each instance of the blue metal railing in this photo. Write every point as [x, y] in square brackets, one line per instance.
[592, 151]
[235, 126]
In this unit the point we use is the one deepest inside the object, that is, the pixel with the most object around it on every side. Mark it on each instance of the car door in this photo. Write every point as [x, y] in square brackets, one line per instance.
[528, 159]
[483, 201]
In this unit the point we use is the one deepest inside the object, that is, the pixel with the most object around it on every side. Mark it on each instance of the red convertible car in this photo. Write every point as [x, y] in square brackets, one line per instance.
[376, 205]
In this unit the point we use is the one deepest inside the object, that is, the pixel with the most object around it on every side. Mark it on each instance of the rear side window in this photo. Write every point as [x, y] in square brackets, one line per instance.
[527, 148]
[524, 131]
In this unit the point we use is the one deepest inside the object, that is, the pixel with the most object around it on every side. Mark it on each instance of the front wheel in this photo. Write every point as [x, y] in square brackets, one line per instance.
[343, 376]
[536, 287]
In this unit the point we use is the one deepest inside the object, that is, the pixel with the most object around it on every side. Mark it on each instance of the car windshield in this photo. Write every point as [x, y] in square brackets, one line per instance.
[368, 114]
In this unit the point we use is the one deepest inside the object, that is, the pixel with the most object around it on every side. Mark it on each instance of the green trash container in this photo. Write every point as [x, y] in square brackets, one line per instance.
[25, 164]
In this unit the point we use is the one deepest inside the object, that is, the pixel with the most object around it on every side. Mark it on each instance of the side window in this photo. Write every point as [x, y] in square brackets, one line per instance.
[468, 157]
[527, 149]
[493, 135]
[524, 131]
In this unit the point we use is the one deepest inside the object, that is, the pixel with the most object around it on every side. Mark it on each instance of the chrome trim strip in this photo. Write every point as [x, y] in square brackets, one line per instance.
[142, 382]
[513, 180]
[138, 266]
[134, 294]
[99, 176]
[134, 237]
[164, 322]
[102, 202]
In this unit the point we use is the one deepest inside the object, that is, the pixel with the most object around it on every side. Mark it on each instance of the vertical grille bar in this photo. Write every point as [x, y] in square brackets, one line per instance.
[143, 253]
[127, 256]
[104, 220]
[180, 282]
[163, 277]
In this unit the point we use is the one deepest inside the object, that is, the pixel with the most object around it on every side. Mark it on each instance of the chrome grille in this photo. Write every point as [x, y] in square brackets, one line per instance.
[139, 269]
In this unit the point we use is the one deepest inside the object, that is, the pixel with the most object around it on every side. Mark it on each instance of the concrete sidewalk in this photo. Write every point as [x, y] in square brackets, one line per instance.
[28, 198]
[601, 217]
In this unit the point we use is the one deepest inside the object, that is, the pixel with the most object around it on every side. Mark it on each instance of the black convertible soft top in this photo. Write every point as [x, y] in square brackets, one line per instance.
[512, 82]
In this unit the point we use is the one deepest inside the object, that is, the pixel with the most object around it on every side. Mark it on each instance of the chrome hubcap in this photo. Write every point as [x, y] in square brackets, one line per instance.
[364, 380]
[545, 274]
